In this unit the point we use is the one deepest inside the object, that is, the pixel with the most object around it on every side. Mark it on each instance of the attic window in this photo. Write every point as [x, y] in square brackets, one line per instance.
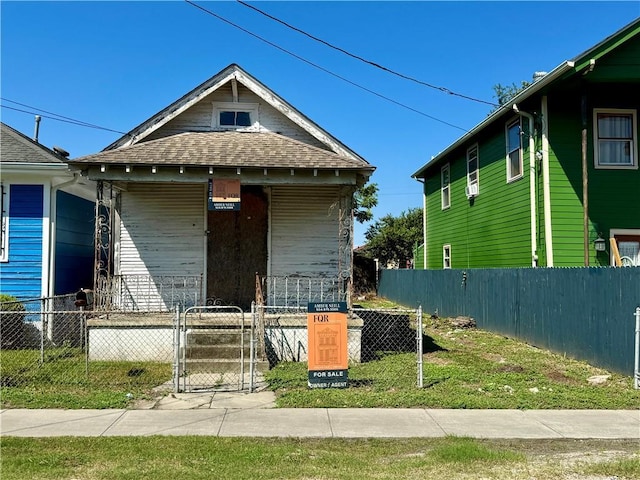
[234, 115]
[234, 119]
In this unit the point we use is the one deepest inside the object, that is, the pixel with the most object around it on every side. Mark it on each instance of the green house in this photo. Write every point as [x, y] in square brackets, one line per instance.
[549, 179]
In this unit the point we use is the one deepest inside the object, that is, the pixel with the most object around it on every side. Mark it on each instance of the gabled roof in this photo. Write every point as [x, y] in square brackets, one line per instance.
[226, 149]
[577, 65]
[229, 73]
[18, 148]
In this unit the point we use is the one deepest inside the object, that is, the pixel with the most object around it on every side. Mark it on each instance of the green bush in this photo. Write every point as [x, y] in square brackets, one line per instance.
[11, 322]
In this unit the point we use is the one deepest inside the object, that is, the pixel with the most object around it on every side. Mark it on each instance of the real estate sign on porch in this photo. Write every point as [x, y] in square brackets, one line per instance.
[328, 359]
[224, 194]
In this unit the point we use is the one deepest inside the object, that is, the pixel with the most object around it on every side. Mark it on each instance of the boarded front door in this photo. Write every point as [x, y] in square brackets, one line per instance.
[237, 249]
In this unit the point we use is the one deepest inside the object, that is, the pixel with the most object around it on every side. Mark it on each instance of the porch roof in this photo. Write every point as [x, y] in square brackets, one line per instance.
[226, 149]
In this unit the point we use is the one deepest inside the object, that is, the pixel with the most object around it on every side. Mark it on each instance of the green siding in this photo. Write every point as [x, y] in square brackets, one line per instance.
[493, 230]
[613, 194]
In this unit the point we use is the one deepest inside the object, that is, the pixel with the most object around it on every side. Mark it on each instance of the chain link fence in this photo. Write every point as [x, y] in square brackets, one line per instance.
[51, 342]
[383, 345]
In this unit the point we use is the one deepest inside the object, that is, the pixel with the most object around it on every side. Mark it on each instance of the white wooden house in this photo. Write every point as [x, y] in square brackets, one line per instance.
[164, 243]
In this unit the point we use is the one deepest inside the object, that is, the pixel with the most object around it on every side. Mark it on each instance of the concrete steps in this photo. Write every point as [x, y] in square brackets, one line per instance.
[219, 350]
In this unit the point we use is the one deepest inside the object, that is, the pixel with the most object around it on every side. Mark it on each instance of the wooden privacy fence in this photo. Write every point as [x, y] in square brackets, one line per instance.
[586, 313]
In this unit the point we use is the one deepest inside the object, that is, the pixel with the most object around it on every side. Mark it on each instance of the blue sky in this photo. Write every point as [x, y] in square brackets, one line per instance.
[115, 64]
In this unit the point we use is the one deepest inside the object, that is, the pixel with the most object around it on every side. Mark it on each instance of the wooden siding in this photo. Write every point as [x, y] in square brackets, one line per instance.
[199, 117]
[493, 230]
[162, 230]
[74, 250]
[304, 231]
[22, 274]
[613, 194]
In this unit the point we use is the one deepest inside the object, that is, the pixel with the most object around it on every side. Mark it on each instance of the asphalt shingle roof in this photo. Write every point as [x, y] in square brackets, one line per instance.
[225, 149]
[18, 148]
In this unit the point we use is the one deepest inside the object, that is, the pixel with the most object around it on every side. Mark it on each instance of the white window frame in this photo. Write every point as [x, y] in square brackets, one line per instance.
[621, 232]
[445, 190]
[251, 108]
[477, 170]
[633, 139]
[446, 256]
[508, 126]
[4, 224]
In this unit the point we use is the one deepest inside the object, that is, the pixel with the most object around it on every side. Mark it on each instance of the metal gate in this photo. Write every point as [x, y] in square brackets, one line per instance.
[214, 350]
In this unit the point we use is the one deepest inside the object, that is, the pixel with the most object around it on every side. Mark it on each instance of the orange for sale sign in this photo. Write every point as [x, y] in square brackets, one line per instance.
[328, 359]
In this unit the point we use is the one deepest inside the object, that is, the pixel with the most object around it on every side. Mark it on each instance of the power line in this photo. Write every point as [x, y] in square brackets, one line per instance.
[55, 116]
[308, 62]
[369, 62]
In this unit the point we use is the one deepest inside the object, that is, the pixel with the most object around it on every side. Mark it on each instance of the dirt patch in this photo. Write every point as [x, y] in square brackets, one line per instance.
[560, 377]
[511, 369]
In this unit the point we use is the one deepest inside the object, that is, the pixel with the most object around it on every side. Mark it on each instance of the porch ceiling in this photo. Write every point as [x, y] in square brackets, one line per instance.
[225, 149]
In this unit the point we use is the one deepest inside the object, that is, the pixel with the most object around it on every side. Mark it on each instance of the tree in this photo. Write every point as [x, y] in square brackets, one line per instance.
[392, 239]
[364, 199]
[504, 93]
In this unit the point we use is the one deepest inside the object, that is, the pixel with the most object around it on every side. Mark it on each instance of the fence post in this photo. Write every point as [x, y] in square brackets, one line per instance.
[419, 345]
[176, 352]
[636, 365]
[252, 348]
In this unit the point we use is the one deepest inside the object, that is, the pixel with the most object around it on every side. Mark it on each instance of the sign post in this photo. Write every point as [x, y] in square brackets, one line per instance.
[328, 360]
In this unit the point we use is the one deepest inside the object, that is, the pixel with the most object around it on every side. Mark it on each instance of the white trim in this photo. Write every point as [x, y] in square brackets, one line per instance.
[446, 248]
[546, 184]
[634, 139]
[4, 252]
[477, 170]
[46, 238]
[507, 127]
[251, 108]
[550, 77]
[424, 226]
[444, 168]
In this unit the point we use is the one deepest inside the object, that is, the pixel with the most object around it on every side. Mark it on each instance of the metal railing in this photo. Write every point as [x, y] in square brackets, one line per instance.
[153, 293]
[298, 291]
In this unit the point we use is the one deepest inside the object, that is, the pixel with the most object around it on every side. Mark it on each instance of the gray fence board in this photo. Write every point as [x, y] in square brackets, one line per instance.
[585, 313]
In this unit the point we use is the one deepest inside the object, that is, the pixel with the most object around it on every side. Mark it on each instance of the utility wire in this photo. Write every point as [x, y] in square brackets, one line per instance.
[55, 116]
[308, 62]
[369, 62]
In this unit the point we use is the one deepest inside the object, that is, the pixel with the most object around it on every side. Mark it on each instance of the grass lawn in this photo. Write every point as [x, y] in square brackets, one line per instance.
[463, 368]
[64, 380]
[161, 458]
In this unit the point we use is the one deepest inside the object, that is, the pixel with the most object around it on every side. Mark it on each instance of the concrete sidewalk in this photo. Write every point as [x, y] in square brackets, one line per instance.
[252, 416]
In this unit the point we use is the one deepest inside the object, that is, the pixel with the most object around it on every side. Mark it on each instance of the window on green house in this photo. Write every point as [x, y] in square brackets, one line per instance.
[445, 187]
[514, 151]
[614, 137]
[473, 181]
[446, 256]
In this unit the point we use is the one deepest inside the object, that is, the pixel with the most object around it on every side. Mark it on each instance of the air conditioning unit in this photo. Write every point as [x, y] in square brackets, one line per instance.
[471, 190]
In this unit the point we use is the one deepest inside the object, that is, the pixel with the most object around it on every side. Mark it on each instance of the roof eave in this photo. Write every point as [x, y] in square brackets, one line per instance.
[534, 88]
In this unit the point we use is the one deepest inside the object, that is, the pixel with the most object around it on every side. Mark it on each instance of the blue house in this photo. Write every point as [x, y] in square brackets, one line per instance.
[46, 243]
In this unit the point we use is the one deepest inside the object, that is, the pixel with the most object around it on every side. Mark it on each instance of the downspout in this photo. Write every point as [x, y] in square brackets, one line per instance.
[546, 184]
[585, 179]
[532, 185]
[53, 214]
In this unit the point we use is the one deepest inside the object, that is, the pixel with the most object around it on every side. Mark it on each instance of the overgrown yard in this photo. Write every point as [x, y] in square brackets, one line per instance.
[463, 368]
[206, 457]
[66, 380]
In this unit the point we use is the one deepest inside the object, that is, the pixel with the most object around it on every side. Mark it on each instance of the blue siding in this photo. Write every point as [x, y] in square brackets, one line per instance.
[74, 243]
[22, 274]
